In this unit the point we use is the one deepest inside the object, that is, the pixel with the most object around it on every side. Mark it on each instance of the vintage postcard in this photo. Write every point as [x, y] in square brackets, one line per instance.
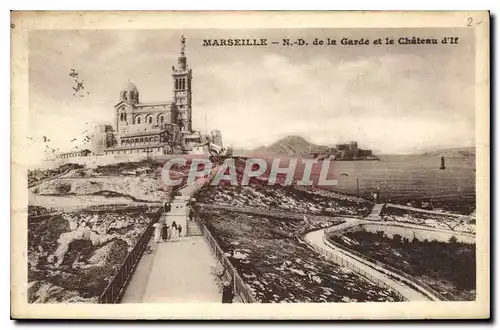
[250, 165]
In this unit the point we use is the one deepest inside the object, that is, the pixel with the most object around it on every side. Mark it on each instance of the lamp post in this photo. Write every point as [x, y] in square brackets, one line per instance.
[357, 187]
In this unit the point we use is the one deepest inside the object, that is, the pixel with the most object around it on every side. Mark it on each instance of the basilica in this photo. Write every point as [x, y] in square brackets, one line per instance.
[154, 128]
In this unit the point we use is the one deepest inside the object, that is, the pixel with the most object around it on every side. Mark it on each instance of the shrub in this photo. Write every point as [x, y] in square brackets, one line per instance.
[397, 239]
[63, 187]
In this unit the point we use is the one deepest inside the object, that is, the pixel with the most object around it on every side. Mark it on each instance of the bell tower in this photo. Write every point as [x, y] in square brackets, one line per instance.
[182, 76]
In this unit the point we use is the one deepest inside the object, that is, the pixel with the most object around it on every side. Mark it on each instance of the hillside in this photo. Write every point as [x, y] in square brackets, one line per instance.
[468, 152]
[291, 146]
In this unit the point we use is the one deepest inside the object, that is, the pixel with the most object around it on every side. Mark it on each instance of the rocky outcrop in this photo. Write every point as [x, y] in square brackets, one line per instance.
[45, 292]
[72, 256]
[285, 198]
[81, 233]
[137, 188]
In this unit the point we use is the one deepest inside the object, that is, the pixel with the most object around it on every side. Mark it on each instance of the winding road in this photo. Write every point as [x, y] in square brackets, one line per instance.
[395, 281]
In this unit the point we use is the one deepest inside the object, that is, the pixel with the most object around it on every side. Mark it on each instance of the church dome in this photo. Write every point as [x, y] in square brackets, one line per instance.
[129, 93]
[129, 87]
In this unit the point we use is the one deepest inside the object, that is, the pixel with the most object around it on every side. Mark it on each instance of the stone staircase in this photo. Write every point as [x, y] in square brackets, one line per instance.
[193, 229]
[375, 213]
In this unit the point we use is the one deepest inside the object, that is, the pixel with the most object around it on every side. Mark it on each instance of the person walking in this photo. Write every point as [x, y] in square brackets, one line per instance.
[164, 233]
[157, 232]
[169, 233]
[175, 231]
[179, 229]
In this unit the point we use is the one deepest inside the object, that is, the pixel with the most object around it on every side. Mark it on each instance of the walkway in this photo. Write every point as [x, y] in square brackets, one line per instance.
[316, 238]
[175, 272]
[410, 208]
[375, 212]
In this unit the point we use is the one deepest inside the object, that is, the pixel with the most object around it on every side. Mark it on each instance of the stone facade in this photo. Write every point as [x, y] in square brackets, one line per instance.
[164, 127]
[73, 154]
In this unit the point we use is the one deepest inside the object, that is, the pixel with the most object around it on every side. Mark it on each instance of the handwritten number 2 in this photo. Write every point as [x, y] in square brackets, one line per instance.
[470, 20]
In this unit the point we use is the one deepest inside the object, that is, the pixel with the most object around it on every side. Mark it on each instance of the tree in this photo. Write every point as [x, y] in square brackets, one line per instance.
[453, 240]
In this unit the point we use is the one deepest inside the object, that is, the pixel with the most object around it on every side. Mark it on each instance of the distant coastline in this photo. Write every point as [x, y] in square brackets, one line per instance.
[467, 152]
[353, 159]
[297, 146]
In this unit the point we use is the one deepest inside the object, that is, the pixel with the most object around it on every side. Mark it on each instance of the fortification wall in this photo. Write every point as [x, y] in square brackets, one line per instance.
[101, 160]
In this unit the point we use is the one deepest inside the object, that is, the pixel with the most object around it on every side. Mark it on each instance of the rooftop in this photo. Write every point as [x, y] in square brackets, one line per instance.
[153, 104]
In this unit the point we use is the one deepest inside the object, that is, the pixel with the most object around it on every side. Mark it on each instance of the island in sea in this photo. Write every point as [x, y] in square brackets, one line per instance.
[297, 146]
[346, 151]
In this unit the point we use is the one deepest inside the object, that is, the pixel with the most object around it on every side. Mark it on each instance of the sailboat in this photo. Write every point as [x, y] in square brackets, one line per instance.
[442, 167]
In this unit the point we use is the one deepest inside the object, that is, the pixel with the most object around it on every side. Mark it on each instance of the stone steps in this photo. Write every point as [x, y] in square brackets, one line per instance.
[193, 229]
[375, 212]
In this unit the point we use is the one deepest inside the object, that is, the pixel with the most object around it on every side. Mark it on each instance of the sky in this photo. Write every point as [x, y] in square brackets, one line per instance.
[394, 99]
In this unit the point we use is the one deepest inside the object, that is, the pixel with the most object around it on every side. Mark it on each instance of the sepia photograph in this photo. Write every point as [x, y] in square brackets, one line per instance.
[295, 170]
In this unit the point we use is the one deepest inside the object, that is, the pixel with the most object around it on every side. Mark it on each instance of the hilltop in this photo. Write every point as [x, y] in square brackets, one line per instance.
[291, 145]
[467, 152]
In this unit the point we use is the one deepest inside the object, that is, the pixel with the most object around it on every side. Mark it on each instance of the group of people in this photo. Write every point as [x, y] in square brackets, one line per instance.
[165, 233]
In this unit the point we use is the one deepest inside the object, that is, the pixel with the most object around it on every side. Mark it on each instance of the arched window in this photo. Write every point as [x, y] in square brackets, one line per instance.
[138, 120]
[136, 140]
[150, 120]
[141, 140]
[125, 116]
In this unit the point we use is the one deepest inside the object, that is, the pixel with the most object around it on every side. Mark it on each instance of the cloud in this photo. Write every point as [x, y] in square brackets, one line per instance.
[393, 104]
